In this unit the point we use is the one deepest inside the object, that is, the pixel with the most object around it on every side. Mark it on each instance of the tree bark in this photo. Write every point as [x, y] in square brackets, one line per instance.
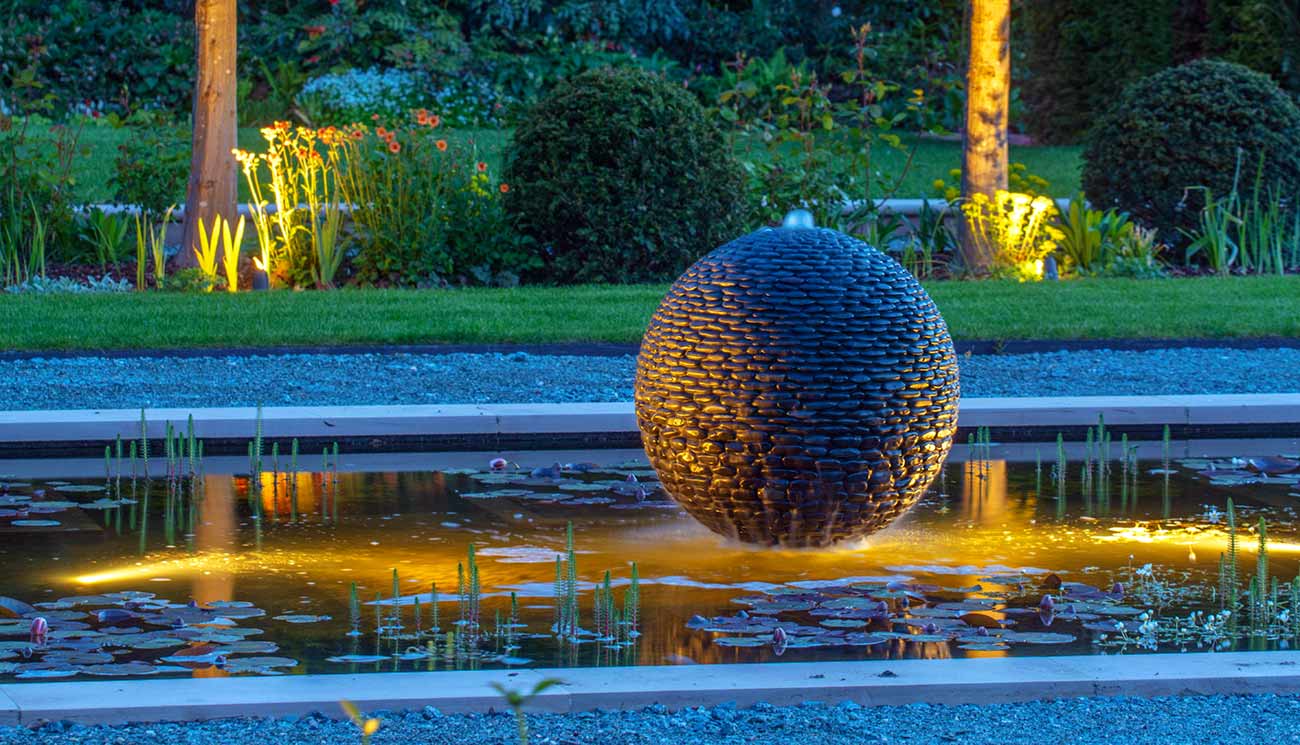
[988, 96]
[213, 181]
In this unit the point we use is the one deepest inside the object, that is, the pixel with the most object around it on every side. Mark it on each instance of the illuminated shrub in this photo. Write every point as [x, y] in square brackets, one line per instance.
[1014, 230]
[1189, 127]
[618, 176]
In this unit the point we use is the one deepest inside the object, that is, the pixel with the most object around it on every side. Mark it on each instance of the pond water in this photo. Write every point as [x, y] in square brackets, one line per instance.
[225, 574]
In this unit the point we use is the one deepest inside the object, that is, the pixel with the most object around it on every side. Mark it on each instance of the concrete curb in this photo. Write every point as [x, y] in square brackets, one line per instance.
[873, 683]
[507, 426]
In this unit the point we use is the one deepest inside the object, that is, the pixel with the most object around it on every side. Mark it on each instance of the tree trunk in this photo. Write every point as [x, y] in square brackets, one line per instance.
[988, 96]
[213, 181]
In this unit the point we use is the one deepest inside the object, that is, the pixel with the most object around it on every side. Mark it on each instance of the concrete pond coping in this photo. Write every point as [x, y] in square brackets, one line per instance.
[613, 424]
[949, 682]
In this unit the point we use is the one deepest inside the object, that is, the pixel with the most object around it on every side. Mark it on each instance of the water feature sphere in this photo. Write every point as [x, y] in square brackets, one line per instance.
[796, 387]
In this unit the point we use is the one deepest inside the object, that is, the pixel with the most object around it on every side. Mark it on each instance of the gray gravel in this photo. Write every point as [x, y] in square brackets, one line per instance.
[318, 379]
[1171, 721]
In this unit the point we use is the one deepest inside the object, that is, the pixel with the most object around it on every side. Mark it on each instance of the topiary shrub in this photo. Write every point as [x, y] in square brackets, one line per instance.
[1188, 127]
[618, 176]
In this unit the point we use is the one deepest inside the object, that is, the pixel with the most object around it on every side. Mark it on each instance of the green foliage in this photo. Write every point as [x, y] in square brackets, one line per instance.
[618, 176]
[36, 189]
[1089, 237]
[151, 167]
[819, 147]
[106, 233]
[1177, 135]
[428, 212]
[98, 55]
[1079, 54]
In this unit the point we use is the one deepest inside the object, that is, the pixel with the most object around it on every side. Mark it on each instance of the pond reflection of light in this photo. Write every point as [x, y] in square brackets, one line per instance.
[1214, 538]
[186, 565]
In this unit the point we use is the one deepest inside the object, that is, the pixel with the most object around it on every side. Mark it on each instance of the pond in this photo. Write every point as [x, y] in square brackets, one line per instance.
[336, 563]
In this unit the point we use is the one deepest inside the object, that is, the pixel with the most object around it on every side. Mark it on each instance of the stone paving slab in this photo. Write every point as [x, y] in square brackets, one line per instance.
[618, 418]
[118, 702]
[870, 683]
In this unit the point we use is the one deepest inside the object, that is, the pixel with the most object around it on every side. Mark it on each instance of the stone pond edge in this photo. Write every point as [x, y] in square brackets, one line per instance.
[868, 683]
[613, 424]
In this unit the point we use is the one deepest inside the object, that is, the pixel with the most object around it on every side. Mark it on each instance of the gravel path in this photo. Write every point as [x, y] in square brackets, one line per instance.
[1171, 721]
[315, 379]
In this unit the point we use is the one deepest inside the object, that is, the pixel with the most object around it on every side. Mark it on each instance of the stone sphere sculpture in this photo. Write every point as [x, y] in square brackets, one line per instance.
[796, 387]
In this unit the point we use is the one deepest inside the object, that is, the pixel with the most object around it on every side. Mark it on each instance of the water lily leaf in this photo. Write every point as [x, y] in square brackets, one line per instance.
[1038, 637]
[261, 665]
[120, 669]
[248, 647]
[295, 618]
[741, 641]
[843, 623]
[16, 607]
[36, 523]
[223, 604]
[983, 647]
[46, 673]
[356, 658]
[79, 488]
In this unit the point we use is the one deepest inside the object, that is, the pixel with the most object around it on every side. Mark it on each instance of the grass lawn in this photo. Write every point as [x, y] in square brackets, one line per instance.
[932, 159]
[1080, 309]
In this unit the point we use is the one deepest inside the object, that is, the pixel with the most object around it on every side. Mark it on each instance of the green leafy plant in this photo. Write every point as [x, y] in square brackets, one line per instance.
[618, 176]
[819, 138]
[1089, 237]
[1213, 237]
[150, 237]
[517, 700]
[106, 232]
[151, 166]
[223, 242]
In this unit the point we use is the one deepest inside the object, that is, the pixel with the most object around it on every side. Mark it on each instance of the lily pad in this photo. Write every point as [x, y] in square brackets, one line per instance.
[257, 664]
[357, 658]
[36, 523]
[120, 669]
[295, 618]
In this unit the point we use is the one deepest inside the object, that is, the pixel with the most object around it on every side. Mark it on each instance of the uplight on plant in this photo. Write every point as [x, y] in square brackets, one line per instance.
[1014, 230]
[368, 725]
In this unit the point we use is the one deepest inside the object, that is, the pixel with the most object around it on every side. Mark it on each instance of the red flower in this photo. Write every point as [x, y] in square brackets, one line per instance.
[505, 188]
[313, 31]
[394, 147]
[482, 167]
[312, 59]
[434, 121]
[374, 117]
[381, 131]
[442, 145]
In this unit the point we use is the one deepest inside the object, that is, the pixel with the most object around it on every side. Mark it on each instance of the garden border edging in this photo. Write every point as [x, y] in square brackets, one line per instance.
[611, 424]
[949, 682]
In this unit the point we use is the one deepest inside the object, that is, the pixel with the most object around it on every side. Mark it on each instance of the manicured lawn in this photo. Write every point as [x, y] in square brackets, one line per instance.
[932, 159]
[1099, 308]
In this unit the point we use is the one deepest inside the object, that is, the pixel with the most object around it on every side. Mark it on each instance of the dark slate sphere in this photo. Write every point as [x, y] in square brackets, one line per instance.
[796, 388]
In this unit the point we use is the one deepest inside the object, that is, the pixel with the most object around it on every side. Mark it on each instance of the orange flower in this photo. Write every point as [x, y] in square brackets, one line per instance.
[422, 116]
[482, 167]
[381, 131]
[505, 188]
[442, 145]
[358, 134]
[374, 117]
[394, 147]
[434, 121]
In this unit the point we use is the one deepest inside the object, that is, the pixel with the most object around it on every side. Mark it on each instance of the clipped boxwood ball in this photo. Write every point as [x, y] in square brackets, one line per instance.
[1183, 127]
[619, 176]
